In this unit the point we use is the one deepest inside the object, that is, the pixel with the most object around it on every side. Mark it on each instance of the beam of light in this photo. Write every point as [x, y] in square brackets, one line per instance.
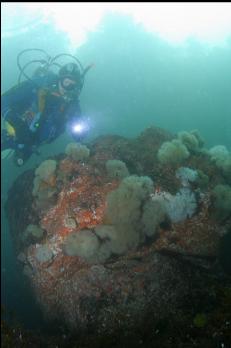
[174, 22]
[81, 126]
[78, 128]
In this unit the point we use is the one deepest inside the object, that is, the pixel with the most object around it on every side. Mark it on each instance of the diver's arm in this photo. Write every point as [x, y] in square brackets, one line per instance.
[11, 102]
[19, 97]
[15, 98]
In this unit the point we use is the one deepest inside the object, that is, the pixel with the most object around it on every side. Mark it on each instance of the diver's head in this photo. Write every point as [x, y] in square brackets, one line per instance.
[69, 78]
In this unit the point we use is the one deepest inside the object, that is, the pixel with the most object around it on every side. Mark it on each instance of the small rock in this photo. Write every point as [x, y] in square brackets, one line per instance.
[27, 271]
[70, 222]
[21, 257]
[43, 254]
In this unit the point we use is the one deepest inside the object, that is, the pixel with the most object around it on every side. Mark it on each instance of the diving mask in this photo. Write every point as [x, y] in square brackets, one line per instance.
[68, 84]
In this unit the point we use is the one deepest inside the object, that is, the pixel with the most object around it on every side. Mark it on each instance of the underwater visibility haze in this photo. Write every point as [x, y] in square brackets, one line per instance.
[120, 238]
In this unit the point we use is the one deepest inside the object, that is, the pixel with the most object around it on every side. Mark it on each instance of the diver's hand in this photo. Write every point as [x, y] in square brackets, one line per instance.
[6, 153]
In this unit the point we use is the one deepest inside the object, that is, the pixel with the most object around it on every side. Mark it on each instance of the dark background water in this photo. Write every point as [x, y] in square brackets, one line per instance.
[138, 80]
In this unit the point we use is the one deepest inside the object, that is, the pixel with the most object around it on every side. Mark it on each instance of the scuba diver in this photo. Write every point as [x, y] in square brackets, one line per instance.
[42, 107]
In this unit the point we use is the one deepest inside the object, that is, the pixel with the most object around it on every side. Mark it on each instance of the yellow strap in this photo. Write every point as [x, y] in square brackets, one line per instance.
[9, 128]
[42, 93]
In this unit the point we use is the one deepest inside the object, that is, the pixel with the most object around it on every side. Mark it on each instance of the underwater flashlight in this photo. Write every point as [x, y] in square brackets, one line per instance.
[78, 128]
[81, 126]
